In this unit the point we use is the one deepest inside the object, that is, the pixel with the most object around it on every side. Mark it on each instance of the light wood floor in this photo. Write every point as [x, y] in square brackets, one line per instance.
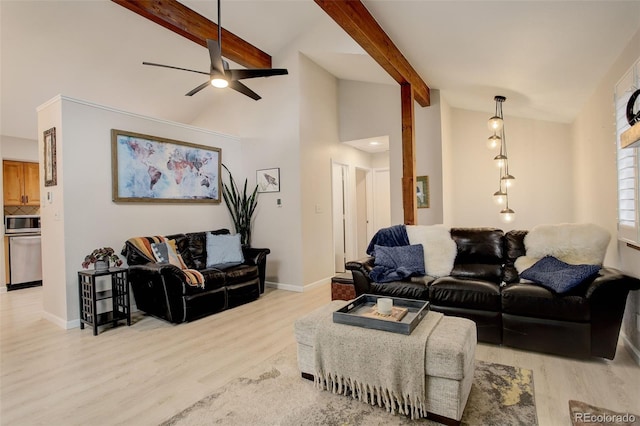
[146, 373]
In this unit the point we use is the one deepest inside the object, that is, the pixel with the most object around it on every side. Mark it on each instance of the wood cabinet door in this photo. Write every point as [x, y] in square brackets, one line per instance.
[13, 182]
[32, 184]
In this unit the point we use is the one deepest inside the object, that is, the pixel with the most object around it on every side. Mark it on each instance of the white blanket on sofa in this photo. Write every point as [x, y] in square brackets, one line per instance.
[573, 243]
[439, 248]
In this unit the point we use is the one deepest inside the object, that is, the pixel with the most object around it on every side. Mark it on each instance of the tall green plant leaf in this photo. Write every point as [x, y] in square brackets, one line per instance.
[241, 206]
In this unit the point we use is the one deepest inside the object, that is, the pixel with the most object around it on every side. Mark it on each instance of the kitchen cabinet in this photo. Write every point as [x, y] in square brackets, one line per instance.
[21, 183]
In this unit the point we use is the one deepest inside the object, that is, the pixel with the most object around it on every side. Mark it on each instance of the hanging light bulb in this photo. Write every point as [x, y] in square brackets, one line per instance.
[500, 160]
[494, 141]
[508, 180]
[507, 215]
[495, 123]
[499, 197]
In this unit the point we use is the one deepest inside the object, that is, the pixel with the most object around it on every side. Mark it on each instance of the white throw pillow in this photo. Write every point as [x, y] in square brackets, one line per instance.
[223, 249]
[439, 248]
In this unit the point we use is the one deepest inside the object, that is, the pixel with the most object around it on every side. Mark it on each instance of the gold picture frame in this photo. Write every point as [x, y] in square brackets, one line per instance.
[50, 163]
[422, 192]
[152, 169]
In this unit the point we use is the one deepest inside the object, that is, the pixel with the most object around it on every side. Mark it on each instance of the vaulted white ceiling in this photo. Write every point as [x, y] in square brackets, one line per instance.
[545, 56]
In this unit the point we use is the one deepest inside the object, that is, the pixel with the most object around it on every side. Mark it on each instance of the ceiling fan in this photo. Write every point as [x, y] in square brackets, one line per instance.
[220, 75]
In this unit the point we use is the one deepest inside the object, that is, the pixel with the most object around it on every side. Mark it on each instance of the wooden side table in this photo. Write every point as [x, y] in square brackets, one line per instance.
[89, 297]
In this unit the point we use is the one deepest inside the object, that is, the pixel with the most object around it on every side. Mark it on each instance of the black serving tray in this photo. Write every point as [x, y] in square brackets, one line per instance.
[349, 314]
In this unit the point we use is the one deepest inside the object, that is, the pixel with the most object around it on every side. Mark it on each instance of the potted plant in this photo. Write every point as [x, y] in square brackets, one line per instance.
[241, 206]
[102, 259]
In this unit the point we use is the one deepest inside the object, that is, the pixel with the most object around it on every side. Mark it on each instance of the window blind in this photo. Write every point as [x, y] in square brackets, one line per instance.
[628, 161]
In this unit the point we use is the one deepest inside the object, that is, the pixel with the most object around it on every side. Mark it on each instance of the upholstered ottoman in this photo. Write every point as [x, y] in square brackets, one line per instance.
[449, 361]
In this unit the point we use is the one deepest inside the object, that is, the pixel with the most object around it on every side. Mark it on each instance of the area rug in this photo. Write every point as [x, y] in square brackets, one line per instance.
[273, 393]
[583, 414]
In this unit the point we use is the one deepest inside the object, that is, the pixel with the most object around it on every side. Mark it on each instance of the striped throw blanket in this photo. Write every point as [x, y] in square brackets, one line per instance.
[145, 245]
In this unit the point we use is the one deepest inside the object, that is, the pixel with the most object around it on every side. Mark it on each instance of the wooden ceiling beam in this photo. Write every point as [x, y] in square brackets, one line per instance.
[356, 20]
[181, 20]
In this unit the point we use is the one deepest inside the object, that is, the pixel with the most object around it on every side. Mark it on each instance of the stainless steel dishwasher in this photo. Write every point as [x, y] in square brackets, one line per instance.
[25, 260]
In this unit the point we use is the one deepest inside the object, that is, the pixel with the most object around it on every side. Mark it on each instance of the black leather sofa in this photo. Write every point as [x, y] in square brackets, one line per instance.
[485, 287]
[161, 290]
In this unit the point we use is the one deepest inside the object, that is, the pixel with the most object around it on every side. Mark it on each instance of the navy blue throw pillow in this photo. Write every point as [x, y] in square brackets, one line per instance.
[557, 275]
[397, 263]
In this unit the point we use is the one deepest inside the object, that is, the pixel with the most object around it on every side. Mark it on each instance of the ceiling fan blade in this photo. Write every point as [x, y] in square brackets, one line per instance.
[239, 87]
[199, 88]
[216, 56]
[254, 73]
[174, 68]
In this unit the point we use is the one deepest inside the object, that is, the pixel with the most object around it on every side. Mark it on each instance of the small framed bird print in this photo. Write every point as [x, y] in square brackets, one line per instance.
[268, 180]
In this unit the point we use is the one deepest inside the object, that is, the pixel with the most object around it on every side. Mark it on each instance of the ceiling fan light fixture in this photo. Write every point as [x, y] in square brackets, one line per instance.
[220, 76]
[219, 82]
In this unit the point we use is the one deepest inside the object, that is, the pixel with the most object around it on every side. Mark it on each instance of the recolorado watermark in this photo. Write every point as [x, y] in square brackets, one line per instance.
[604, 418]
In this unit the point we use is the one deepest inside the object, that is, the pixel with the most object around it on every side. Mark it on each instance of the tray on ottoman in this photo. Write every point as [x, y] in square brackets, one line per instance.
[353, 314]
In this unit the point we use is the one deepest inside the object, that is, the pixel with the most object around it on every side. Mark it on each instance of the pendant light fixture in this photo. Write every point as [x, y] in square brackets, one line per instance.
[506, 180]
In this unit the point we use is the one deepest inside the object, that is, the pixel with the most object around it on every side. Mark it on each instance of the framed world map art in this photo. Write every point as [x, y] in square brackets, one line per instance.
[153, 169]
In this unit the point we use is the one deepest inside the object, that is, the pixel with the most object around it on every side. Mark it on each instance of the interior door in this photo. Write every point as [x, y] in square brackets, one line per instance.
[362, 211]
[381, 199]
[338, 175]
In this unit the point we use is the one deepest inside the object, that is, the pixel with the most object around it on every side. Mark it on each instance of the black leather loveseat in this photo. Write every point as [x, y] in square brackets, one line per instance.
[162, 290]
[485, 287]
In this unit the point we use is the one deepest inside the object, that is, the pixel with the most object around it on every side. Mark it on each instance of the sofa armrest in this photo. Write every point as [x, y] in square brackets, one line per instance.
[258, 257]
[158, 289]
[607, 296]
[611, 279]
[360, 270]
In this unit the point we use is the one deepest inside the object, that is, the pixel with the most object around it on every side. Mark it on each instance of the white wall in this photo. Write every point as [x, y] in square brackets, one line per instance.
[320, 146]
[448, 174]
[18, 149]
[596, 177]
[270, 133]
[539, 157]
[428, 135]
[82, 216]
[318, 133]
[367, 110]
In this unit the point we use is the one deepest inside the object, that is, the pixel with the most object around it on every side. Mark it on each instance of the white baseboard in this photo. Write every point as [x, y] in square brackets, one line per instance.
[67, 325]
[282, 286]
[297, 288]
[633, 351]
[317, 283]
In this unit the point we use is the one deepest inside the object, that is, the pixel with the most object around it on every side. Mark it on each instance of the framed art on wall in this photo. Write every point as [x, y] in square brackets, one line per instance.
[422, 191]
[153, 169]
[50, 166]
[268, 180]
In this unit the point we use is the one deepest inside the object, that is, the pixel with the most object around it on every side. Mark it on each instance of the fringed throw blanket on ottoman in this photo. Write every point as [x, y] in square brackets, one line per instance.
[421, 375]
[372, 364]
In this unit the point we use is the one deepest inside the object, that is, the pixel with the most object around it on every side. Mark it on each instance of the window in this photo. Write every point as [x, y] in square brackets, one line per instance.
[628, 161]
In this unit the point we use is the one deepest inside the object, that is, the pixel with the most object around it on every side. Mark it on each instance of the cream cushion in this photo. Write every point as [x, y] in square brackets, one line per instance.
[573, 243]
[439, 248]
